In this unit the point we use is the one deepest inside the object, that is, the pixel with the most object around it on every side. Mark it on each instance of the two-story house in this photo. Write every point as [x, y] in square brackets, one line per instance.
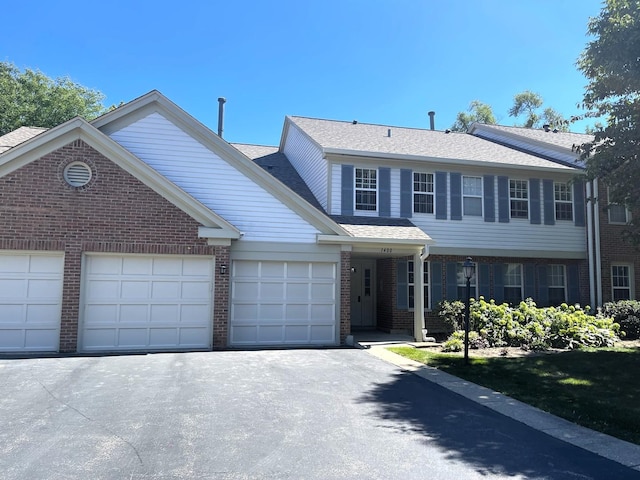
[614, 265]
[144, 230]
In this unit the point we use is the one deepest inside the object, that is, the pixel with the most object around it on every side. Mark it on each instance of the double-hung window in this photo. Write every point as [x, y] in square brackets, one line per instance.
[617, 213]
[366, 189]
[462, 282]
[519, 198]
[563, 200]
[411, 284]
[556, 278]
[513, 283]
[621, 282]
[472, 195]
[423, 197]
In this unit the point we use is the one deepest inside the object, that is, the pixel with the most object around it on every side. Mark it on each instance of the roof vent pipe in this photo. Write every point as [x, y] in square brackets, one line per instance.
[221, 101]
[546, 127]
[432, 121]
[388, 132]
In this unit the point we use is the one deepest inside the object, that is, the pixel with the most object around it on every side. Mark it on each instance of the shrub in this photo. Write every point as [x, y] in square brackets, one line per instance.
[627, 314]
[455, 343]
[530, 327]
[453, 314]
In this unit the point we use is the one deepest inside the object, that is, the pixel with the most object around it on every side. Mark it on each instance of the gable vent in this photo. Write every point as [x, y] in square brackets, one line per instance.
[77, 174]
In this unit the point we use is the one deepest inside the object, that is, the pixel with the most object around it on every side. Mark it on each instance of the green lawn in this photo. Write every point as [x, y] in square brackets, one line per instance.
[599, 389]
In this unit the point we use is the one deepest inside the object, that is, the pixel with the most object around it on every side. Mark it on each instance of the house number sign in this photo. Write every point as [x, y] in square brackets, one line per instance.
[386, 250]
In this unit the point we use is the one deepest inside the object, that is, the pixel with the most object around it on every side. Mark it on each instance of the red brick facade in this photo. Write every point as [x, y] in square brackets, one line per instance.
[115, 212]
[614, 250]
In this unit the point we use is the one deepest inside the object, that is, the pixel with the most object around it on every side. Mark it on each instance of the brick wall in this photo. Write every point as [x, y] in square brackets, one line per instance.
[345, 295]
[115, 212]
[614, 250]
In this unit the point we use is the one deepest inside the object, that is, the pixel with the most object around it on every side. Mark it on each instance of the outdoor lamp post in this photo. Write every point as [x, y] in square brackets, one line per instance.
[467, 269]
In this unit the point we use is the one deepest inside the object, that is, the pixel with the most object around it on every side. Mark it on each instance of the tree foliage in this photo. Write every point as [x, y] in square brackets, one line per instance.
[30, 98]
[611, 63]
[526, 104]
[477, 112]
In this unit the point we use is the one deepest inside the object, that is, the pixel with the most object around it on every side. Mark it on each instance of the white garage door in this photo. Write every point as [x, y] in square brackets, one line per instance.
[30, 301]
[278, 303]
[146, 303]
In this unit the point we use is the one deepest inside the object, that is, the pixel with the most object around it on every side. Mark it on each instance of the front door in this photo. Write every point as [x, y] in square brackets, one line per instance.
[362, 294]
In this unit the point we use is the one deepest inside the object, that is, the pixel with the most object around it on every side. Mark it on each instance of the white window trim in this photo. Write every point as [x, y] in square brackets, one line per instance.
[564, 278]
[426, 284]
[526, 184]
[355, 190]
[521, 281]
[556, 202]
[631, 281]
[627, 212]
[432, 193]
[481, 196]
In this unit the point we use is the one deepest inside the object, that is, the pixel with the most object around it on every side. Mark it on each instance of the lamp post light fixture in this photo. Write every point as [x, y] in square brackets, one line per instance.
[468, 269]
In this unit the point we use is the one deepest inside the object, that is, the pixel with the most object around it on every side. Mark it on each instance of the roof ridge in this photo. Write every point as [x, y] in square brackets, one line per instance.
[370, 124]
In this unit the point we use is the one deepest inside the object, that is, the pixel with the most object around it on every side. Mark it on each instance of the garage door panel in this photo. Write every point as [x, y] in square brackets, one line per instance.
[104, 266]
[44, 313]
[12, 288]
[30, 300]
[165, 290]
[103, 289]
[155, 299]
[278, 302]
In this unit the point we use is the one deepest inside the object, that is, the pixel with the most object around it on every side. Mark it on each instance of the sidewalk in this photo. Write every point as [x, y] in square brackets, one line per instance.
[626, 453]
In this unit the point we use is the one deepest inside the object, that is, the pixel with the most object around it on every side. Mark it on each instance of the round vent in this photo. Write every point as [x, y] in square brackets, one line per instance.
[77, 174]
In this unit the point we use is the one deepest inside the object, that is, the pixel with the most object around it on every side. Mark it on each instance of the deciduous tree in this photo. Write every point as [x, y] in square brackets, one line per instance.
[30, 98]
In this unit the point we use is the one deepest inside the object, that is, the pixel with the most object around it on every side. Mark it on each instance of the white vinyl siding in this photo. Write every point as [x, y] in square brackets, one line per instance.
[307, 159]
[213, 181]
[30, 301]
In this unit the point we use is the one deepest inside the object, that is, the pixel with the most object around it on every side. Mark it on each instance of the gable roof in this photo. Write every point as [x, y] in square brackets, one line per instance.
[18, 136]
[561, 147]
[79, 129]
[277, 164]
[400, 143]
[155, 102]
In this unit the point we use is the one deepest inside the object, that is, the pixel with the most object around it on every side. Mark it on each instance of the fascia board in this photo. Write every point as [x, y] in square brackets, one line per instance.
[376, 156]
[514, 136]
[156, 102]
[339, 239]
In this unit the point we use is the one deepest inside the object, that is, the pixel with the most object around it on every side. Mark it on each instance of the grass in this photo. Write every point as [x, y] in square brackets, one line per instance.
[595, 388]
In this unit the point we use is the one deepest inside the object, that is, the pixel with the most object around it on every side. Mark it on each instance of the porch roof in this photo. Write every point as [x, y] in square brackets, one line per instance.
[382, 228]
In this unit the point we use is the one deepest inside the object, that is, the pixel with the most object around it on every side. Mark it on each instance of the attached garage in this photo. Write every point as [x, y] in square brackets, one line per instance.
[282, 302]
[30, 301]
[146, 303]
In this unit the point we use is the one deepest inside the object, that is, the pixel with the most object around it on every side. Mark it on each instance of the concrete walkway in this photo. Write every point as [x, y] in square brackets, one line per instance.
[626, 453]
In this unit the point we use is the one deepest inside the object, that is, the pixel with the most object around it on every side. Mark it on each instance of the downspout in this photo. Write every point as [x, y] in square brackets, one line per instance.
[592, 285]
[596, 210]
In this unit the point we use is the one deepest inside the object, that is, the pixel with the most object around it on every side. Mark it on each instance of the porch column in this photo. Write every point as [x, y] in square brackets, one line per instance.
[418, 296]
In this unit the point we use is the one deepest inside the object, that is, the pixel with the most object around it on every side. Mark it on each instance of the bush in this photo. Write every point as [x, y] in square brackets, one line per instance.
[529, 327]
[627, 314]
[453, 314]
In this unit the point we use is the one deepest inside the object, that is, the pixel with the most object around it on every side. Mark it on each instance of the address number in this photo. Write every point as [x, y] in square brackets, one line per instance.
[386, 250]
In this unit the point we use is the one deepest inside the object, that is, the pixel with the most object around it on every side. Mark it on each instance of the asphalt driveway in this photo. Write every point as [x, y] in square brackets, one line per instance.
[298, 414]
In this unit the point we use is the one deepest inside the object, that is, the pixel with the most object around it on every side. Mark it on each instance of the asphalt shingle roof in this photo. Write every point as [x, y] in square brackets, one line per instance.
[278, 165]
[18, 136]
[362, 138]
[559, 139]
[380, 227]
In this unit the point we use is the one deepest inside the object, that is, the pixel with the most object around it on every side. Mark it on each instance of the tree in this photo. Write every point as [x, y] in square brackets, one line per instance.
[30, 98]
[612, 66]
[477, 112]
[526, 103]
[529, 103]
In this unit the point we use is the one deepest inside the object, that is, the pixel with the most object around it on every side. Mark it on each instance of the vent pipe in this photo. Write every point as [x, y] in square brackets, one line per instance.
[432, 121]
[221, 101]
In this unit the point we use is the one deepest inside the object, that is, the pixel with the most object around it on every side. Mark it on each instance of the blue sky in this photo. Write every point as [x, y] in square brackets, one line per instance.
[377, 61]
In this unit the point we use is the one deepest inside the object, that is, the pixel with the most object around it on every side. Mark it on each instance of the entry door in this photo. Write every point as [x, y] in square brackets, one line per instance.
[362, 293]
